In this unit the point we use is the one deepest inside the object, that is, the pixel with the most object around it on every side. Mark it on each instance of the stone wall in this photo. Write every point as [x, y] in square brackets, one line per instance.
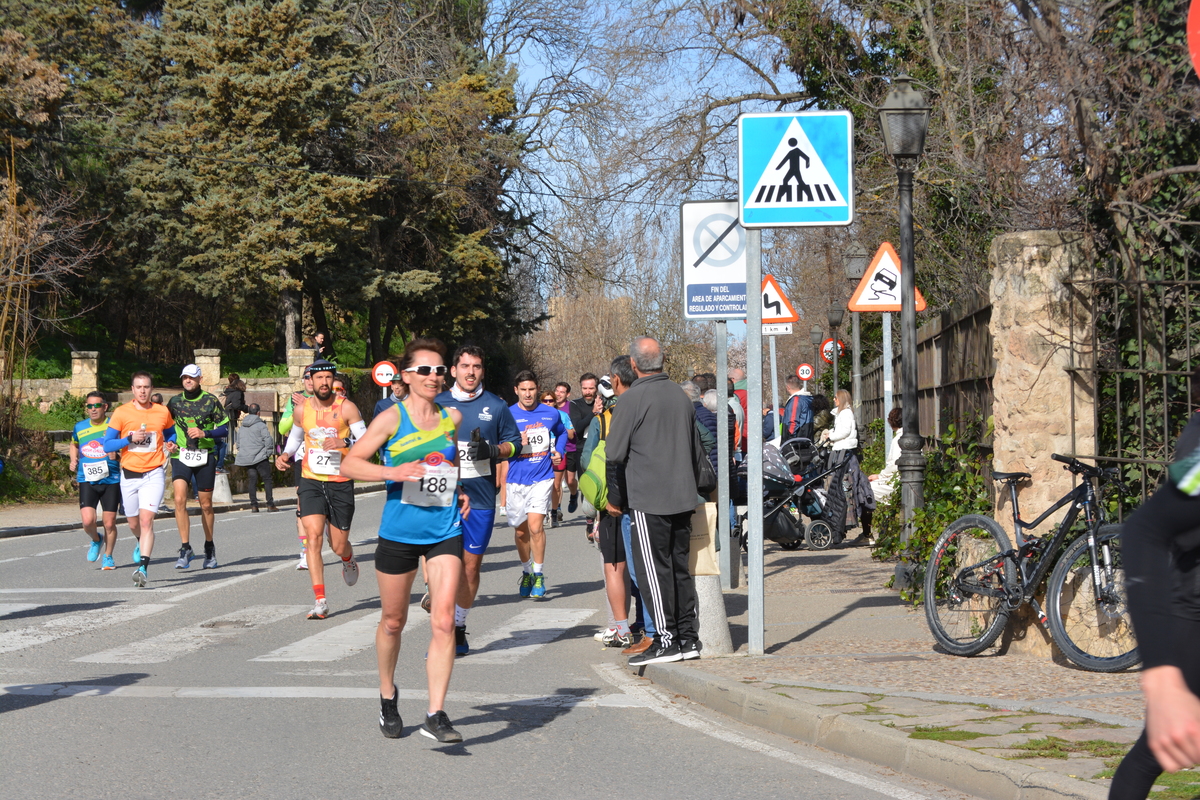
[1035, 397]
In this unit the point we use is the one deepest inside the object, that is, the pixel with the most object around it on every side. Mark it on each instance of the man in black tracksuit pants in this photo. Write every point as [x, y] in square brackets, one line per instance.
[652, 431]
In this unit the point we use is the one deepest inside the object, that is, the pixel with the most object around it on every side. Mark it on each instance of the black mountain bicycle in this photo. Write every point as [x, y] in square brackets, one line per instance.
[975, 579]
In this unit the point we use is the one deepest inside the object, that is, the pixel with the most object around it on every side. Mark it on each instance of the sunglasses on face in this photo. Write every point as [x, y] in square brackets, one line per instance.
[95, 405]
[425, 369]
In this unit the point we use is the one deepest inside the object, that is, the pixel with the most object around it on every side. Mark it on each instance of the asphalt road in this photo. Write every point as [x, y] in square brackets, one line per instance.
[213, 684]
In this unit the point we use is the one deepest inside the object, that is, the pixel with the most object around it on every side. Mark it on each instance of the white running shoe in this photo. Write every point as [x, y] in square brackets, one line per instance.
[303, 562]
[600, 636]
[350, 572]
[320, 610]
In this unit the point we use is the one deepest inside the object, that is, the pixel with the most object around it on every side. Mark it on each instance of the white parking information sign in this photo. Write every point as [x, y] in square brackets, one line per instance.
[713, 245]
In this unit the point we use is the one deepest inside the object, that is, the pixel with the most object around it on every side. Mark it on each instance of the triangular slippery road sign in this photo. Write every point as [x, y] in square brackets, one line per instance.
[879, 289]
[775, 305]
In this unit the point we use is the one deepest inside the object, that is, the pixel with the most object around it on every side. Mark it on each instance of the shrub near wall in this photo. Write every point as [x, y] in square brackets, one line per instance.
[957, 471]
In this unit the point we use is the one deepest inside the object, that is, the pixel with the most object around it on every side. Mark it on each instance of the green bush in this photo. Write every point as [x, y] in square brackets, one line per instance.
[62, 415]
[873, 455]
[33, 471]
[956, 474]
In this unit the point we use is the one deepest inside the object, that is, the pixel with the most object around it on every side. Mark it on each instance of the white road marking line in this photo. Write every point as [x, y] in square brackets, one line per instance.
[343, 641]
[18, 558]
[229, 582]
[181, 641]
[52, 552]
[651, 699]
[130, 590]
[77, 623]
[74, 690]
[13, 608]
[524, 634]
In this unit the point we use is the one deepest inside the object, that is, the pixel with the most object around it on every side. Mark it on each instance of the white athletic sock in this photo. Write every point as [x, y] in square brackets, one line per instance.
[527, 566]
[460, 615]
[623, 627]
[537, 568]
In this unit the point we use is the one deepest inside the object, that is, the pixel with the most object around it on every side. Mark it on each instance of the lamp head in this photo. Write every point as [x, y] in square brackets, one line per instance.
[904, 119]
[837, 310]
[817, 335]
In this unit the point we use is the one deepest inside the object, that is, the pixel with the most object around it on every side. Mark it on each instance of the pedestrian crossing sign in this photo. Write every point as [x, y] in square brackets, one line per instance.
[796, 169]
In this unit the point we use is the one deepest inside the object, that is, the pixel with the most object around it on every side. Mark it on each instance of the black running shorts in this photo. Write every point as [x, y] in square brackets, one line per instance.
[397, 558]
[108, 495]
[573, 458]
[333, 500]
[205, 474]
[612, 543]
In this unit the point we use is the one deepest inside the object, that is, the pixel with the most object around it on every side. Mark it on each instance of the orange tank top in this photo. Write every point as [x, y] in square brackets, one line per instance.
[322, 460]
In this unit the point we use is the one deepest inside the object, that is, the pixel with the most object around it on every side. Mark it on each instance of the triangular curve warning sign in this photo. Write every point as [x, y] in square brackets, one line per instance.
[775, 305]
[795, 177]
[879, 289]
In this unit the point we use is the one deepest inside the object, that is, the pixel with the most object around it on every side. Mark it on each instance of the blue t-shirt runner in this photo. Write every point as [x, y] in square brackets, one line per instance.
[487, 413]
[542, 429]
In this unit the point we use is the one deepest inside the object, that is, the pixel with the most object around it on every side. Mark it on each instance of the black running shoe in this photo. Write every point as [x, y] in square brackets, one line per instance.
[656, 655]
[389, 716]
[690, 649]
[438, 727]
[573, 503]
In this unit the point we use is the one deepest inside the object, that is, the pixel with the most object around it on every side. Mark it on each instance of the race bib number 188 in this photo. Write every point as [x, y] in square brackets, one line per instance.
[433, 489]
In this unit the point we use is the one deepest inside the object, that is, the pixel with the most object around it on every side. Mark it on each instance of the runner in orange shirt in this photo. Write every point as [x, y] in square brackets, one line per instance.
[144, 433]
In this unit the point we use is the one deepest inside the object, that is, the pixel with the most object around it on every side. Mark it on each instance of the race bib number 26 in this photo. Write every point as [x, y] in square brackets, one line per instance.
[469, 468]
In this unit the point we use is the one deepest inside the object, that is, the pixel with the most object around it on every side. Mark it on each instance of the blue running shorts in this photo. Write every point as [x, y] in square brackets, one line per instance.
[477, 530]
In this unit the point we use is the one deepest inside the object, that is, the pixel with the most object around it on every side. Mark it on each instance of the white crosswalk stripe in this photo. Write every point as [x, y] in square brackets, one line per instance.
[13, 608]
[178, 642]
[342, 641]
[76, 623]
[524, 634]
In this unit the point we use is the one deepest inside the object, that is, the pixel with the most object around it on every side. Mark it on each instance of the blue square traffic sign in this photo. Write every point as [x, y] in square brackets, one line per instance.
[796, 169]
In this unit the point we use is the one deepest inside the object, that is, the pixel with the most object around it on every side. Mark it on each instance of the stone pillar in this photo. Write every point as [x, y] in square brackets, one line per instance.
[297, 360]
[1035, 397]
[85, 372]
[209, 362]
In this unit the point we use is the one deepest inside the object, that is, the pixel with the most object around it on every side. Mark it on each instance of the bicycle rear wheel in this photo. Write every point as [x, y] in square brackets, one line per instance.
[1094, 634]
[967, 582]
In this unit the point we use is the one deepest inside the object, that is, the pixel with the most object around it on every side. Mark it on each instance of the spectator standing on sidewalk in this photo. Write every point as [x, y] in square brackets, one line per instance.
[255, 451]
[797, 410]
[653, 435]
[235, 405]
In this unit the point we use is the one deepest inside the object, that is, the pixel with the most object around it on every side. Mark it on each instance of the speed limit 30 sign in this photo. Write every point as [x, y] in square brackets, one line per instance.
[805, 372]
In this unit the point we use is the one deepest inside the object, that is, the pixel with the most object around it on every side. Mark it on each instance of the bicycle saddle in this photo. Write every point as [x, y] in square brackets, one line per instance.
[1010, 476]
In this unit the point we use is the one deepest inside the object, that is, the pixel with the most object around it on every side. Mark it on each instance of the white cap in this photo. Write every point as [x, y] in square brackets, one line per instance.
[190, 371]
[605, 387]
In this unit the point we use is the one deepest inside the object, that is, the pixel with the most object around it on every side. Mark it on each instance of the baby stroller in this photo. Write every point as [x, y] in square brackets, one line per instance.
[786, 495]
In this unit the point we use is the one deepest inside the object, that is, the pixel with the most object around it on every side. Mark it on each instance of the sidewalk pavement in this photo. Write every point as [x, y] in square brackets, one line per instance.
[852, 668]
[25, 519]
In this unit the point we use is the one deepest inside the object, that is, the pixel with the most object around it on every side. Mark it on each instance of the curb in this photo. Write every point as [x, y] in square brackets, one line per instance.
[964, 770]
[33, 530]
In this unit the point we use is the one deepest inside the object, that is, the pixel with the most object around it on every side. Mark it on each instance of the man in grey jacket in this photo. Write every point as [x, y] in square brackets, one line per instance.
[652, 432]
[255, 449]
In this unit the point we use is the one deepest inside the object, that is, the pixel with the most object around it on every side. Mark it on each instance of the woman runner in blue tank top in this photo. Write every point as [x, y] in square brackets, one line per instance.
[422, 518]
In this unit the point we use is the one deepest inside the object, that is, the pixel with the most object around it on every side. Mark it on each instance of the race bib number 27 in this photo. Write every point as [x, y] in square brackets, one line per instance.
[325, 462]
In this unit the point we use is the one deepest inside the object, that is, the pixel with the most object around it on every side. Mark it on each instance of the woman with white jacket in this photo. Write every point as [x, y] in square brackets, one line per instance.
[844, 439]
[844, 434]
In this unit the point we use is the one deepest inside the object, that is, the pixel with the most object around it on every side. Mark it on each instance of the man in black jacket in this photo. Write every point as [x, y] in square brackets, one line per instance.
[652, 433]
[581, 414]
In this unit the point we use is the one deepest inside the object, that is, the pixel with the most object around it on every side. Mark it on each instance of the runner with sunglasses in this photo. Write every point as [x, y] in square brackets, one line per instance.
[325, 424]
[421, 519]
[99, 477]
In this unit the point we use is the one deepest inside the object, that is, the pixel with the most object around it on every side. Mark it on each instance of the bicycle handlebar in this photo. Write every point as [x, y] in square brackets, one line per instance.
[1109, 475]
[1063, 459]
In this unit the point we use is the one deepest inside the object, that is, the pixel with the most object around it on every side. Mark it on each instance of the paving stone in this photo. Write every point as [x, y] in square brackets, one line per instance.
[1119, 735]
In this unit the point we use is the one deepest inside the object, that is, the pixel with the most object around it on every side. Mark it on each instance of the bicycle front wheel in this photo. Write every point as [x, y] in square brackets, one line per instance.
[1091, 627]
[967, 584]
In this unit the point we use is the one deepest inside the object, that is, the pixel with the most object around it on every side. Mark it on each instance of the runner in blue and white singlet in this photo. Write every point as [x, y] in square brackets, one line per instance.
[530, 479]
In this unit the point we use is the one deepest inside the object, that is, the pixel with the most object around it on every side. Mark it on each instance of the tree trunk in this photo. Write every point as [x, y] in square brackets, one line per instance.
[287, 322]
[320, 321]
[374, 325]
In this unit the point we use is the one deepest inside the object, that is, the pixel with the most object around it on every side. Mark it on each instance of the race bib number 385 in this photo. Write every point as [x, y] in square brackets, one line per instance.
[95, 471]
[434, 489]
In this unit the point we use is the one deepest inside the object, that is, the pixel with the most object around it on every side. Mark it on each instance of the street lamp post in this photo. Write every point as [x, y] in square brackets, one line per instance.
[904, 118]
[855, 262]
[837, 310]
[817, 335]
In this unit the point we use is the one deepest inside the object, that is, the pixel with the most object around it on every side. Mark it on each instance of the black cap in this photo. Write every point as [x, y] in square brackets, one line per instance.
[320, 365]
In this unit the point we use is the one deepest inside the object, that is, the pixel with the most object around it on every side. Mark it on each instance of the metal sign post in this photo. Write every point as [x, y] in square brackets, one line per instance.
[887, 381]
[774, 391]
[754, 488]
[731, 552]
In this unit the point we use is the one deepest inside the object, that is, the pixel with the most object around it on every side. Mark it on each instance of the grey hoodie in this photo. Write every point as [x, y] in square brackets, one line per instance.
[254, 441]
